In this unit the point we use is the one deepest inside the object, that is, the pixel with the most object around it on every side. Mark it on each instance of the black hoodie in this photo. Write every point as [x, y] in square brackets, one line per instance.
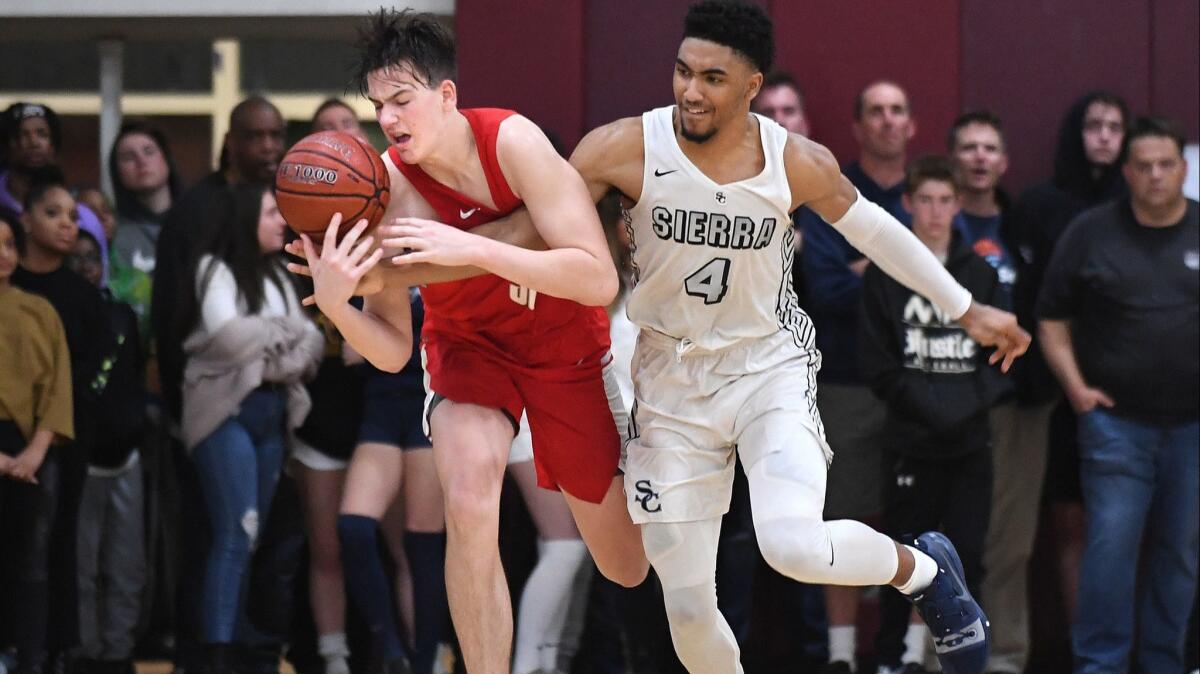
[1038, 220]
[934, 378]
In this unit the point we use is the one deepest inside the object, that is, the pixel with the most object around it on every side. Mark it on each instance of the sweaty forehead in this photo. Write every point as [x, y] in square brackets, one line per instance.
[388, 81]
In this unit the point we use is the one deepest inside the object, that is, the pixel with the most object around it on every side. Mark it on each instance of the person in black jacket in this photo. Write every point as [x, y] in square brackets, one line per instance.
[110, 545]
[938, 387]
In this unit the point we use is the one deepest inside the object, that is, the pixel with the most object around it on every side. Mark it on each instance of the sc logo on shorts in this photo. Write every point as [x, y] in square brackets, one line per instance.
[647, 497]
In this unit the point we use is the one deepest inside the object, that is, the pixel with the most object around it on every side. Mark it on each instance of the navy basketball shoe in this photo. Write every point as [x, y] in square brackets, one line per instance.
[961, 632]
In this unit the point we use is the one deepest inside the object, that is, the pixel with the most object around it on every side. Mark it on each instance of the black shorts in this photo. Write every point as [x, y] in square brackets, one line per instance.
[392, 408]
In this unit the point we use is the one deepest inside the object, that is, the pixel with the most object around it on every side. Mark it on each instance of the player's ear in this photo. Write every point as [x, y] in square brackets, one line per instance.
[754, 85]
[449, 94]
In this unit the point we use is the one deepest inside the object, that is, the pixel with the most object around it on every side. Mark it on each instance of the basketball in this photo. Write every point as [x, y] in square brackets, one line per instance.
[326, 173]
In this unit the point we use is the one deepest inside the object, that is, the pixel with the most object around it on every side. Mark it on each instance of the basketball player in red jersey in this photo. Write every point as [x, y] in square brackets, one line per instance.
[531, 334]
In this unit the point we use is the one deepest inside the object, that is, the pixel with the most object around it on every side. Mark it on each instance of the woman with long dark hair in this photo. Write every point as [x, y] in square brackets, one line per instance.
[249, 348]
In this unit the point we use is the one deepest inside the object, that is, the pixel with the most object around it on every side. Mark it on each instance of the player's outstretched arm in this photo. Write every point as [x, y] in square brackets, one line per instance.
[382, 330]
[818, 183]
[577, 264]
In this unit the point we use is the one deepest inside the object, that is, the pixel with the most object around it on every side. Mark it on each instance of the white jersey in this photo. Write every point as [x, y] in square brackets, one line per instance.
[713, 263]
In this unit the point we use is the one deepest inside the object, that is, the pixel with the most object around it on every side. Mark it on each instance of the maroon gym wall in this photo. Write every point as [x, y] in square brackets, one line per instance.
[574, 64]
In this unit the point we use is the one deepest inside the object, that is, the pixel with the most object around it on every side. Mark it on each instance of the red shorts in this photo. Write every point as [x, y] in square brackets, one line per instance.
[576, 445]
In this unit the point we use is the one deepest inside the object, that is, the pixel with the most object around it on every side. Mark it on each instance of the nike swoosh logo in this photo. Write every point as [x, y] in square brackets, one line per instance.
[466, 214]
[658, 173]
[831, 552]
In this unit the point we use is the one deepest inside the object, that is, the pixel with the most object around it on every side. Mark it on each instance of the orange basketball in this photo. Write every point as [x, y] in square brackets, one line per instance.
[331, 172]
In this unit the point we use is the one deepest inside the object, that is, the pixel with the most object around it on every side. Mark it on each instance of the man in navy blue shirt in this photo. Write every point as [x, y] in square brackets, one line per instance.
[833, 269]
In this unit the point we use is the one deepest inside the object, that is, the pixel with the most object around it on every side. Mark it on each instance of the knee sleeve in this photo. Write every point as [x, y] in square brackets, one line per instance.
[358, 537]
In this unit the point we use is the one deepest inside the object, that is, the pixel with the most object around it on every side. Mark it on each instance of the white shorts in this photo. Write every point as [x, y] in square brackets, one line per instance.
[692, 406]
[522, 444]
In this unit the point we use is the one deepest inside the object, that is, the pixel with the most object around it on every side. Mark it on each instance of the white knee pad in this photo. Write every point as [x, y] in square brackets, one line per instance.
[797, 547]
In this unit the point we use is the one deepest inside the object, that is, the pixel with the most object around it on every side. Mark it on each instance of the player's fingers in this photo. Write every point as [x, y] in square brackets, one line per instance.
[405, 242]
[394, 231]
[300, 269]
[310, 253]
[351, 237]
[309, 301]
[331, 231]
[411, 258]
[360, 250]
[366, 265]
[294, 247]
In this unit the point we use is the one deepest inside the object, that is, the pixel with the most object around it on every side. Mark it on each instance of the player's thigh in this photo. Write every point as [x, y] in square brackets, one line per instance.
[548, 509]
[470, 448]
[424, 507]
[785, 462]
[321, 496]
[372, 480]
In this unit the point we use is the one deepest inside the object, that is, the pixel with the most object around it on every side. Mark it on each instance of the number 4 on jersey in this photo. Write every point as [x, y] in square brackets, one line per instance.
[710, 282]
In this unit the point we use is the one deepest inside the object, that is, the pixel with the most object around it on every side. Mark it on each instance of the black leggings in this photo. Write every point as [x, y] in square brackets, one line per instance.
[26, 521]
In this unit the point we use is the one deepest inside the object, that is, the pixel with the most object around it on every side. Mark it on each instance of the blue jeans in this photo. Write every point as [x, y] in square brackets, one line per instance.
[1139, 481]
[238, 466]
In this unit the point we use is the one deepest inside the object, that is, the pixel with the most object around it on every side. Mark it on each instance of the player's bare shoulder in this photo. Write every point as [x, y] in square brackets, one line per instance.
[812, 170]
[612, 155]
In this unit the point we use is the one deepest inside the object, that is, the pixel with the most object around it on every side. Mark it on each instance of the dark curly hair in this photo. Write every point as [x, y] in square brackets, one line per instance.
[744, 28]
[389, 38]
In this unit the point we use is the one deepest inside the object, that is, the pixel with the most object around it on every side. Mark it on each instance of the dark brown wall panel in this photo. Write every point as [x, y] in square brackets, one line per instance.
[836, 48]
[1175, 62]
[527, 56]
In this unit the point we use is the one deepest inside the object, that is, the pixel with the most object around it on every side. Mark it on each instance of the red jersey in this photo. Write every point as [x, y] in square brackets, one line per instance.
[487, 311]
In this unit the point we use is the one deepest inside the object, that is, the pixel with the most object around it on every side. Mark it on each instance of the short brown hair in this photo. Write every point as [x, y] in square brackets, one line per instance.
[930, 167]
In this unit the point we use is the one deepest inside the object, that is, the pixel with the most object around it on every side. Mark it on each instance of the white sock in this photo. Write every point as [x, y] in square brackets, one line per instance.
[333, 648]
[843, 644]
[923, 573]
[914, 644]
[544, 604]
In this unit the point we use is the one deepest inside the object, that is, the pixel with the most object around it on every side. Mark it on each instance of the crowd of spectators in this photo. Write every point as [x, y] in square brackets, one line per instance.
[194, 466]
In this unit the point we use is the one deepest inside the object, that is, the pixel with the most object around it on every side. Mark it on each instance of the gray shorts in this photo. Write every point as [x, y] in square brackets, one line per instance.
[854, 420]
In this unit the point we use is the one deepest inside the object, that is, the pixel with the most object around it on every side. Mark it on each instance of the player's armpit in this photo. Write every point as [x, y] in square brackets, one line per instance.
[612, 157]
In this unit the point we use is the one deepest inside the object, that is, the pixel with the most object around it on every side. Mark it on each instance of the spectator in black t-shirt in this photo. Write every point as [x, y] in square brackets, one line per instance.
[937, 387]
[1120, 320]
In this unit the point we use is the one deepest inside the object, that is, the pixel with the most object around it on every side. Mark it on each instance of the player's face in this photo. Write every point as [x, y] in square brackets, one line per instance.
[933, 206]
[338, 118]
[782, 104]
[85, 260]
[32, 147]
[1103, 133]
[886, 125]
[713, 86]
[53, 221]
[411, 112]
[1155, 171]
[271, 225]
[979, 157]
[141, 164]
[8, 252]
[256, 145]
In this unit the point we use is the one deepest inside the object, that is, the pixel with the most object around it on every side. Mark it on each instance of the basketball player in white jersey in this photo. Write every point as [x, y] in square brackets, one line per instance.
[726, 358]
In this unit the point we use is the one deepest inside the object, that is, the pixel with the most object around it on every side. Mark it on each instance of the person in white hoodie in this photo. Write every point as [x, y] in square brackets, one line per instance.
[249, 347]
